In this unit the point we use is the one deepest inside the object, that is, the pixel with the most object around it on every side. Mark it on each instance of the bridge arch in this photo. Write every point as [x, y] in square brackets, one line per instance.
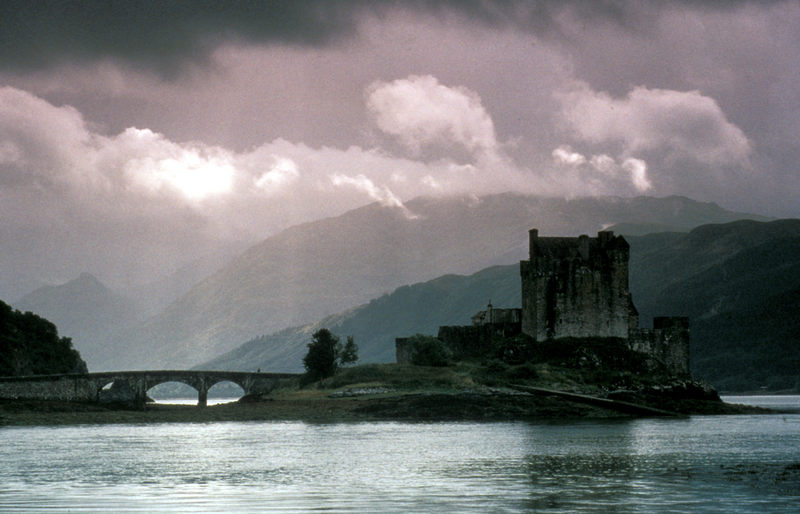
[199, 381]
[225, 388]
[162, 391]
[212, 381]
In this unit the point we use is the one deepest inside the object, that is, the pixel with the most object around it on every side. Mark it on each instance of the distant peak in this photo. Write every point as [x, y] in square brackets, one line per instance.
[86, 277]
[86, 281]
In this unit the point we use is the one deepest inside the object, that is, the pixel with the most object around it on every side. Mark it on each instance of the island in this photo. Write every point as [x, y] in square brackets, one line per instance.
[574, 350]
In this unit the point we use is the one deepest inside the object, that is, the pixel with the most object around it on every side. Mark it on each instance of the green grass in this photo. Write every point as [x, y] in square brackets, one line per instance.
[399, 376]
[579, 365]
[469, 375]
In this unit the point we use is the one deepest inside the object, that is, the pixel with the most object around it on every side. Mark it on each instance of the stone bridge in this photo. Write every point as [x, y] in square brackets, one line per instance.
[130, 385]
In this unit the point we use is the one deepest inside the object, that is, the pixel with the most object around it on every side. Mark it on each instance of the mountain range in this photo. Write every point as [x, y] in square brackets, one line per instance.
[85, 310]
[317, 269]
[739, 283]
[310, 271]
[418, 308]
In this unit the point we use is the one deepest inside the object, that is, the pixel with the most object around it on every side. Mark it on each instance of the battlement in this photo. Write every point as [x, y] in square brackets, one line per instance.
[543, 250]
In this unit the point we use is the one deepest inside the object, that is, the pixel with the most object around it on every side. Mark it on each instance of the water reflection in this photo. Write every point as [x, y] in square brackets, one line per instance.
[193, 401]
[733, 463]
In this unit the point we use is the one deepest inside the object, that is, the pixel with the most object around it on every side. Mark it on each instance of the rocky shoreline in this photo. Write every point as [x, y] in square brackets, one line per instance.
[351, 405]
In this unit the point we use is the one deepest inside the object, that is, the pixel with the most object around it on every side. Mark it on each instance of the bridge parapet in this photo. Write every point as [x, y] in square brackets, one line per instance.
[49, 387]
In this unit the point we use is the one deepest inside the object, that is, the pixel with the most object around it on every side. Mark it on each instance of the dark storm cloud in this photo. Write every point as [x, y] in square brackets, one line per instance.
[164, 34]
[161, 33]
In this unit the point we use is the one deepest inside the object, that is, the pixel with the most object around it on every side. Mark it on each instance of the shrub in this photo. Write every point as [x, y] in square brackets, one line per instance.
[525, 371]
[429, 351]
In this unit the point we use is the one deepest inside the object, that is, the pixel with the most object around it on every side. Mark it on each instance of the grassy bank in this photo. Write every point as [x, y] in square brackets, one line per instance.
[467, 391]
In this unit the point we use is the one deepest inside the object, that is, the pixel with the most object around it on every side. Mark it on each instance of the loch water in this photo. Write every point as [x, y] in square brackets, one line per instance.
[740, 463]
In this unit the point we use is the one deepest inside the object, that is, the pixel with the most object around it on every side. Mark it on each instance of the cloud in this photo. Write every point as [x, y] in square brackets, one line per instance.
[282, 172]
[193, 171]
[638, 170]
[38, 140]
[564, 155]
[145, 198]
[383, 195]
[610, 173]
[681, 125]
[51, 148]
[165, 35]
[420, 112]
[159, 34]
[604, 163]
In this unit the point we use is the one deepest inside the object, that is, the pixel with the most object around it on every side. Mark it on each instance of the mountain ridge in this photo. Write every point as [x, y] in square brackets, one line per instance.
[86, 311]
[725, 344]
[319, 268]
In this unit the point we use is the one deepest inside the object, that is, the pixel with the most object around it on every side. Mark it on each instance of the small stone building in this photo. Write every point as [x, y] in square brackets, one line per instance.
[499, 318]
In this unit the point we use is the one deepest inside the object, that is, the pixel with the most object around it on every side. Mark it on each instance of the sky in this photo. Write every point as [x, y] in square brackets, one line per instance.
[137, 136]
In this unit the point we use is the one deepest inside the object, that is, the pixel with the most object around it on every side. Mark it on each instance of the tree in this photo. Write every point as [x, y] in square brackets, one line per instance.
[350, 353]
[30, 345]
[325, 354]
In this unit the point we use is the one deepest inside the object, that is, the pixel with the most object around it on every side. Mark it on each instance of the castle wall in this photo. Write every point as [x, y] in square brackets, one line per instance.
[573, 287]
[466, 341]
[576, 287]
[403, 350]
[666, 344]
[497, 317]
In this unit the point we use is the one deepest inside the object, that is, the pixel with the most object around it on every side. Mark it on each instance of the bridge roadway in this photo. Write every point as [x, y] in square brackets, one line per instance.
[130, 386]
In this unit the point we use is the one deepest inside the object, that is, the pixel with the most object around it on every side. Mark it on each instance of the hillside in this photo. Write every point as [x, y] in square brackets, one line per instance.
[84, 310]
[661, 263]
[740, 285]
[30, 345]
[313, 270]
[739, 282]
[419, 308]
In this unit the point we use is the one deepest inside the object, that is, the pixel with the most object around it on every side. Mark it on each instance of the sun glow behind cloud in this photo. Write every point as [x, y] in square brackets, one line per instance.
[191, 175]
[418, 111]
[155, 164]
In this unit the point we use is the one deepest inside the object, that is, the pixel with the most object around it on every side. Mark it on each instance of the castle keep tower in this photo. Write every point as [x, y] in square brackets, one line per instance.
[573, 287]
[577, 287]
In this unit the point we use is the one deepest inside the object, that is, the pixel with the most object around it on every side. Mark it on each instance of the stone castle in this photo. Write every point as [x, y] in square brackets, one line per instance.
[575, 287]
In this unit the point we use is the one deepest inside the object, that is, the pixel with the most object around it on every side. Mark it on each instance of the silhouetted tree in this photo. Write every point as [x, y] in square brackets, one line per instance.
[325, 354]
[30, 345]
[320, 361]
[349, 354]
